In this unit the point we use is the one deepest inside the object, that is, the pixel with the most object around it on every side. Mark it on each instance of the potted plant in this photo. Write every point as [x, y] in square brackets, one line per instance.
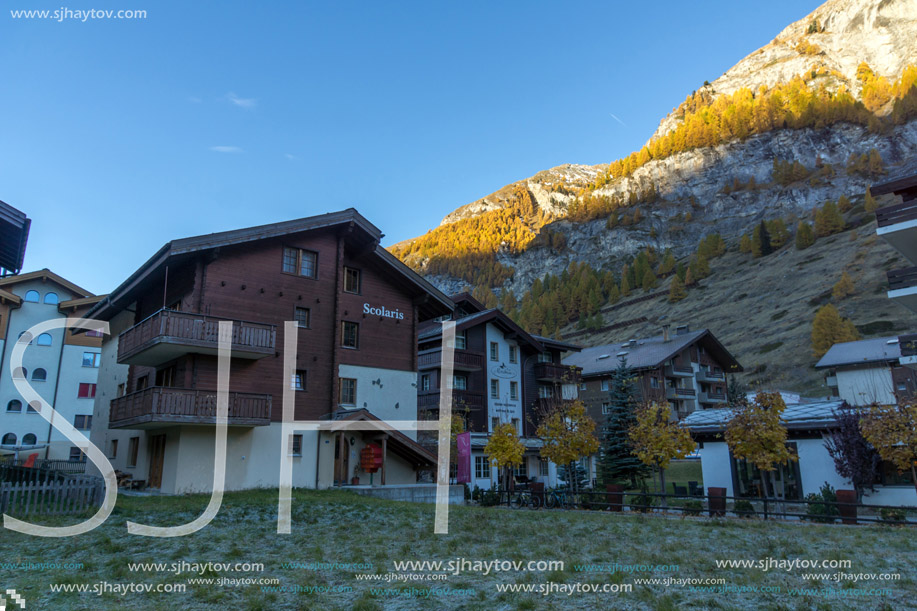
[355, 480]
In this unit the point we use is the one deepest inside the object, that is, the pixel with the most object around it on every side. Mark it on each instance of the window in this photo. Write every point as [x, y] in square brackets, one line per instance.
[28, 336]
[87, 391]
[461, 340]
[39, 375]
[481, 467]
[83, 423]
[604, 384]
[425, 382]
[77, 455]
[8, 440]
[545, 357]
[300, 262]
[32, 296]
[351, 280]
[92, 359]
[348, 391]
[142, 382]
[166, 377]
[495, 389]
[33, 407]
[582, 386]
[113, 449]
[29, 439]
[121, 389]
[133, 448]
[52, 298]
[303, 317]
[494, 423]
[545, 391]
[543, 467]
[14, 406]
[20, 373]
[45, 339]
[516, 426]
[521, 470]
[654, 382]
[299, 380]
[513, 354]
[296, 446]
[460, 381]
[514, 390]
[606, 408]
[350, 334]
[494, 351]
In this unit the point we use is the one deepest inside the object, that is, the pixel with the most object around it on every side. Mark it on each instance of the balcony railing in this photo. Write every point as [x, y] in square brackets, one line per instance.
[460, 400]
[898, 213]
[554, 372]
[679, 393]
[706, 373]
[678, 370]
[902, 278]
[159, 405]
[463, 360]
[168, 334]
[712, 397]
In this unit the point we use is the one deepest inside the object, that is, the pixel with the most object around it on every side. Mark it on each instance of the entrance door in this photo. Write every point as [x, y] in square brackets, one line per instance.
[341, 455]
[157, 454]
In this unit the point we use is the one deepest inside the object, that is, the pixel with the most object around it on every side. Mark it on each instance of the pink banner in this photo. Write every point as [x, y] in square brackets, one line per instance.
[463, 441]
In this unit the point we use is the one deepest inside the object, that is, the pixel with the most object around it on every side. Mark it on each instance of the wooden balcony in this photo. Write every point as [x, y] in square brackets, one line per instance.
[463, 360]
[678, 371]
[908, 345]
[168, 334]
[898, 213]
[680, 393]
[706, 374]
[712, 397]
[554, 372]
[897, 225]
[902, 287]
[460, 400]
[158, 405]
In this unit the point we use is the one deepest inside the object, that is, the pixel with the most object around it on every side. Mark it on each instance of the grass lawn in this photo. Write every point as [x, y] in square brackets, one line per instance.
[335, 526]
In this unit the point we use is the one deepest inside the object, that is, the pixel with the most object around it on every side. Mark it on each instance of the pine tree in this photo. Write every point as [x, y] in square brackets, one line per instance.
[649, 280]
[843, 204]
[668, 263]
[618, 463]
[829, 328]
[677, 290]
[869, 202]
[828, 220]
[626, 286]
[761, 241]
[805, 237]
[689, 277]
[844, 287]
[745, 243]
[779, 234]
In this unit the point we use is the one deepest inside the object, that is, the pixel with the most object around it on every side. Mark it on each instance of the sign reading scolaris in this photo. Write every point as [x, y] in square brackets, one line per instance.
[383, 311]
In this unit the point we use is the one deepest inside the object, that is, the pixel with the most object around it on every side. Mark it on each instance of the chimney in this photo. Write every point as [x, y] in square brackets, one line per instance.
[665, 332]
[682, 329]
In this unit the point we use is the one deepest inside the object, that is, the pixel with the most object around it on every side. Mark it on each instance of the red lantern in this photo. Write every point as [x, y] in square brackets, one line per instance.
[371, 458]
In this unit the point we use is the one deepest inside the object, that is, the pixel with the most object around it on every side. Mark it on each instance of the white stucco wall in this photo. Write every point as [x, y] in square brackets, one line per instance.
[505, 372]
[863, 386]
[389, 394]
[714, 460]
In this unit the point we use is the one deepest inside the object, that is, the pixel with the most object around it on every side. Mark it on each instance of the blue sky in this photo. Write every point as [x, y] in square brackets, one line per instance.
[119, 135]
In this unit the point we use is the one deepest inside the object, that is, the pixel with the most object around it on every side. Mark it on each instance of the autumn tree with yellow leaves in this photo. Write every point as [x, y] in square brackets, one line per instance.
[892, 431]
[568, 434]
[505, 449]
[657, 439]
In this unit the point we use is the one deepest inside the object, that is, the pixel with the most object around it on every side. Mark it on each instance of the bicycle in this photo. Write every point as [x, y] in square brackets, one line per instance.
[558, 499]
[524, 498]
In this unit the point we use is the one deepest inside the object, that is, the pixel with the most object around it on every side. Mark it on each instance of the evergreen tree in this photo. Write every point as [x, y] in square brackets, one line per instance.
[649, 279]
[828, 220]
[805, 237]
[778, 232]
[681, 271]
[668, 263]
[618, 463]
[869, 203]
[843, 204]
[689, 277]
[844, 287]
[677, 290]
[626, 286]
[745, 243]
[761, 241]
[829, 328]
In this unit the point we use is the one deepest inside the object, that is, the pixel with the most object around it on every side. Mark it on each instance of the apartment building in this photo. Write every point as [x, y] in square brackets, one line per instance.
[357, 310]
[61, 366]
[689, 369]
[869, 371]
[897, 224]
[502, 374]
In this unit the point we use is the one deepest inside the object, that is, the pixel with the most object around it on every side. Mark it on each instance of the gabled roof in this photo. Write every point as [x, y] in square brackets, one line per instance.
[124, 293]
[78, 303]
[471, 304]
[550, 342]
[494, 316]
[648, 353]
[7, 296]
[904, 177]
[402, 444]
[818, 415]
[48, 275]
[878, 350]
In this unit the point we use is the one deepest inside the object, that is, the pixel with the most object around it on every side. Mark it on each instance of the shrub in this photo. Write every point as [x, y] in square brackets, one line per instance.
[821, 507]
[743, 508]
[892, 514]
[642, 502]
[693, 508]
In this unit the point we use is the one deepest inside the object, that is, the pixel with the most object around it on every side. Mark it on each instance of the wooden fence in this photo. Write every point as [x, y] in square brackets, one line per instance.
[68, 496]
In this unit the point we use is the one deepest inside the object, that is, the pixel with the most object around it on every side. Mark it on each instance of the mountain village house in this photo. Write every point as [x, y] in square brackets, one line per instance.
[62, 367]
[357, 309]
[869, 371]
[688, 369]
[502, 374]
